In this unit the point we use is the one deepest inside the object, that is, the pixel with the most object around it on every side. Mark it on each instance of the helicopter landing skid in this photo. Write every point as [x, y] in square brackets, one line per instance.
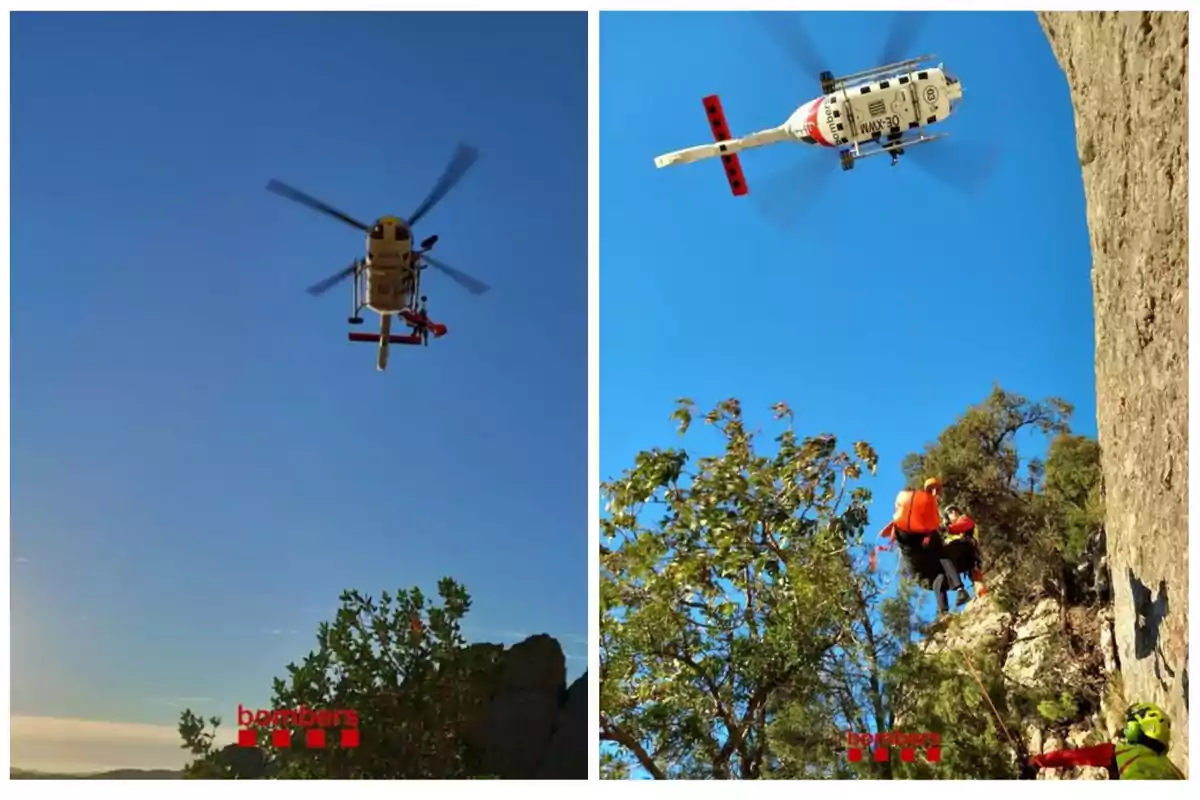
[894, 149]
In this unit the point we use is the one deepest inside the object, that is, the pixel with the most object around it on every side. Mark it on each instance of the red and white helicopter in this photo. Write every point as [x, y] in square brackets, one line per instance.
[864, 114]
[388, 280]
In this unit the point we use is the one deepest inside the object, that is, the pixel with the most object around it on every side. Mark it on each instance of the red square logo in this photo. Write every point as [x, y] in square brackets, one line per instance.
[881, 754]
[247, 738]
[907, 755]
[933, 754]
[854, 754]
[349, 737]
[281, 738]
[315, 738]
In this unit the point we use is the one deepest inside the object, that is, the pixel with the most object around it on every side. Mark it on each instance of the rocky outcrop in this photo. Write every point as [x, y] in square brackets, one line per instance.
[1033, 656]
[533, 726]
[1128, 77]
[518, 718]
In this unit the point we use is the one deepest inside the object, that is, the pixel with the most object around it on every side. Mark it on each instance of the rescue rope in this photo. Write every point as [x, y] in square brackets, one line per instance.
[988, 697]
[895, 572]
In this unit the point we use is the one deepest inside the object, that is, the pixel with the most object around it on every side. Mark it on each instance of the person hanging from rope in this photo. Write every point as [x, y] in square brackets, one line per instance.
[915, 529]
[961, 547]
[1140, 752]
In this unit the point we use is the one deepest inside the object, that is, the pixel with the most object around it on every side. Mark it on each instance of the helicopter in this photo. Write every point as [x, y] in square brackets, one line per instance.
[388, 280]
[868, 113]
[881, 110]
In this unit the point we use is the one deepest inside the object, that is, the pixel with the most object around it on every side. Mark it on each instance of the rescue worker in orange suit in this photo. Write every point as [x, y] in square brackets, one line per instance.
[962, 549]
[915, 529]
[1140, 752]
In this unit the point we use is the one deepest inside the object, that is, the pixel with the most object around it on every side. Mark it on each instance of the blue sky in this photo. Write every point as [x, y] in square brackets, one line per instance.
[893, 302]
[201, 461]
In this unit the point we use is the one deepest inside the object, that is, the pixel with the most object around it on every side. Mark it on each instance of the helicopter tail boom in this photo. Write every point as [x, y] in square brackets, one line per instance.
[385, 338]
[727, 147]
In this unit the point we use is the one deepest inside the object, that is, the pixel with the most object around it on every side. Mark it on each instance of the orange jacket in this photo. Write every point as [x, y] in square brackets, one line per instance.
[916, 512]
[889, 533]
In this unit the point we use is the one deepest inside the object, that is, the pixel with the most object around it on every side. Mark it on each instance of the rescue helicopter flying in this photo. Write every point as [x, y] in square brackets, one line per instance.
[881, 110]
[388, 280]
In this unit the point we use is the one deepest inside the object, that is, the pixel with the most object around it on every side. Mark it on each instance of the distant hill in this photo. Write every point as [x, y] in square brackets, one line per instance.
[112, 775]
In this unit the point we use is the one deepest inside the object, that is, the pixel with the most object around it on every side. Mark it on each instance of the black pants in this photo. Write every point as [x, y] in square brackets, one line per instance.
[963, 554]
[930, 566]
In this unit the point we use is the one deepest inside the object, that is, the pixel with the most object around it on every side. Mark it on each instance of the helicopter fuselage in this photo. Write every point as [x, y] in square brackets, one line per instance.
[879, 111]
[886, 108]
[390, 272]
[388, 280]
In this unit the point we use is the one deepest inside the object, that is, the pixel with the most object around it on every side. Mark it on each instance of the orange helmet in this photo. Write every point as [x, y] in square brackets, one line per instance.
[933, 483]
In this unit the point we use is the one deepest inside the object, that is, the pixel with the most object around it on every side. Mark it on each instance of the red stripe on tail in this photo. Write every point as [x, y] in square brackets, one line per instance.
[720, 131]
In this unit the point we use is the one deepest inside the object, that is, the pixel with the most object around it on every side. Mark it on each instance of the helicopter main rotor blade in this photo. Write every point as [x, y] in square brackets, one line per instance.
[901, 35]
[462, 160]
[963, 166]
[297, 196]
[789, 32]
[464, 280]
[318, 289]
[785, 198]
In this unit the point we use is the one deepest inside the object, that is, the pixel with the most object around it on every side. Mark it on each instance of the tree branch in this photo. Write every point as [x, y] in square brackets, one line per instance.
[614, 733]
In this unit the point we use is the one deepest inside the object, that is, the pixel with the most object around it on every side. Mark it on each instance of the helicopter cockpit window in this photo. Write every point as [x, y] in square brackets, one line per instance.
[950, 77]
[402, 234]
[377, 232]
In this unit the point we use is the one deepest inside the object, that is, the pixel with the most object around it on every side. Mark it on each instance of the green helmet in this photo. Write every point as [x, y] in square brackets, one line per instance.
[1147, 721]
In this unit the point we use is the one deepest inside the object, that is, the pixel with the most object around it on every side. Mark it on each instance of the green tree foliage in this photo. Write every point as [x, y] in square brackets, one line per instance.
[981, 469]
[402, 664]
[1074, 493]
[742, 635]
[231, 761]
[1036, 517]
[1038, 520]
[739, 586]
[941, 693]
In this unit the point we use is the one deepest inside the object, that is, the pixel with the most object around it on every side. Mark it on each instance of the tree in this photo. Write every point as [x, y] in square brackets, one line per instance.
[402, 664]
[1036, 517]
[981, 469]
[228, 762]
[742, 635]
[1074, 484]
[741, 587]
[1041, 526]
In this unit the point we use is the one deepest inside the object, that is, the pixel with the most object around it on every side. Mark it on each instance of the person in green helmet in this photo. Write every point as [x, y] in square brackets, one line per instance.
[1139, 754]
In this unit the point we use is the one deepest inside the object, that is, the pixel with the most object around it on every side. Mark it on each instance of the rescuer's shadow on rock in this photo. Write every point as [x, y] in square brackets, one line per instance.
[1149, 613]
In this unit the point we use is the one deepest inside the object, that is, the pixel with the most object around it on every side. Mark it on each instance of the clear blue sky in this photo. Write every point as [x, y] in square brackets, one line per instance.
[894, 302]
[201, 461]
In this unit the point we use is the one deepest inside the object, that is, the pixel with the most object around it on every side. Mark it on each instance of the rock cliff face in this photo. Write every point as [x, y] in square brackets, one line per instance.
[533, 726]
[529, 724]
[1128, 77]
[1033, 653]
